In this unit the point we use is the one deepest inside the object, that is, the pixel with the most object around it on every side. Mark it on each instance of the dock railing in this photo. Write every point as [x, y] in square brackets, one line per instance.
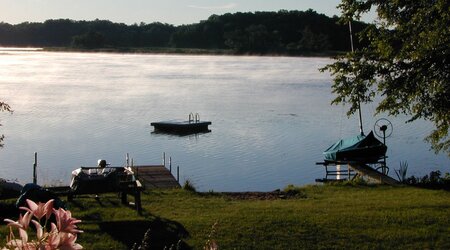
[194, 118]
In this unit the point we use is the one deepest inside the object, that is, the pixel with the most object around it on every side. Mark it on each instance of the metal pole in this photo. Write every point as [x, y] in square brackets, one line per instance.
[170, 164]
[178, 174]
[34, 168]
[351, 34]
[360, 119]
[384, 158]
[359, 104]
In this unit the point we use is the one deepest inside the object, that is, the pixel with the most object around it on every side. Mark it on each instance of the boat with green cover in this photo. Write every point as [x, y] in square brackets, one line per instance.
[360, 149]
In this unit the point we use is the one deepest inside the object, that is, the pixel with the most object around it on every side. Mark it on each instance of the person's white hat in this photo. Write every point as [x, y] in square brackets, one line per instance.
[102, 163]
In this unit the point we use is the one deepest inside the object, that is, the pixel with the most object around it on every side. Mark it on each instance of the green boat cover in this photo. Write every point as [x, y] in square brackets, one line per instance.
[360, 148]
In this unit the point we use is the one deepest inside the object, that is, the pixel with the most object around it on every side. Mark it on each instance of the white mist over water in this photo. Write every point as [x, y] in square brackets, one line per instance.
[271, 117]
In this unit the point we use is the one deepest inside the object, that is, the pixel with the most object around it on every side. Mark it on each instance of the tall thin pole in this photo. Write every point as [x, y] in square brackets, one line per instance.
[359, 104]
[164, 159]
[34, 168]
[351, 35]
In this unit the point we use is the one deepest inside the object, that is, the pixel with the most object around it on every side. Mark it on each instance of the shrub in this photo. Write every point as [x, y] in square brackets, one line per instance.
[401, 173]
[292, 190]
[189, 186]
[432, 180]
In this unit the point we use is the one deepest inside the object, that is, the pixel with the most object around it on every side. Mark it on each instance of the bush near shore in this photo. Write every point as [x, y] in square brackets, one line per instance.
[312, 217]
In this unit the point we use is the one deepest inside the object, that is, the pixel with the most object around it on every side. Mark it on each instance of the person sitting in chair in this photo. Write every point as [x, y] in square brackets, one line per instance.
[102, 163]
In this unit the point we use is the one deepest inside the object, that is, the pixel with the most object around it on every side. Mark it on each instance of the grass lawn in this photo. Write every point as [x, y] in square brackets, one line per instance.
[322, 217]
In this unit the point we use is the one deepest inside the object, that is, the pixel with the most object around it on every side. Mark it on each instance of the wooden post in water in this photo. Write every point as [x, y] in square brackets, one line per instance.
[170, 164]
[34, 168]
[164, 159]
[178, 174]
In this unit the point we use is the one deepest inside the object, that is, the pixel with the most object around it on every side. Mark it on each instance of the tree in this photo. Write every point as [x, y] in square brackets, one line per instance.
[4, 107]
[406, 63]
[313, 41]
[89, 40]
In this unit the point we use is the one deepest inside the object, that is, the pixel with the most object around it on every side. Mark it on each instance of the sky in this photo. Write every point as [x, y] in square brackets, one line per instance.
[175, 12]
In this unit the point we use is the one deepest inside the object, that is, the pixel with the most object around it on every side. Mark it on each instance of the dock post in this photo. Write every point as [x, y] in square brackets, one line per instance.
[34, 168]
[164, 159]
[178, 174]
[170, 164]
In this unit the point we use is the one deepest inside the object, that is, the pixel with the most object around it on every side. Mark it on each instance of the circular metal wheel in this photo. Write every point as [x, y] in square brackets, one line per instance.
[383, 128]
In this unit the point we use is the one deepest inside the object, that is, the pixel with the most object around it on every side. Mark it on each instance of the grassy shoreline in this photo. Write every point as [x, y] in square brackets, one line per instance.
[187, 51]
[331, 217]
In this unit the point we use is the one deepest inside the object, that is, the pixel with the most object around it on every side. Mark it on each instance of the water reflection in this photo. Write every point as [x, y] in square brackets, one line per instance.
[190, 135]
[272, 117]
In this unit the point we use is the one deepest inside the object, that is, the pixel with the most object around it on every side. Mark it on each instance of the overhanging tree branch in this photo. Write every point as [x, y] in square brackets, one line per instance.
[4, 107]
[406, 63]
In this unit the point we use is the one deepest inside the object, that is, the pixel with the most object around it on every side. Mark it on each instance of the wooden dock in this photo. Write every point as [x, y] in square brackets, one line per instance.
[192, 126]
[181, 127]
[352, 168]
[155, 176]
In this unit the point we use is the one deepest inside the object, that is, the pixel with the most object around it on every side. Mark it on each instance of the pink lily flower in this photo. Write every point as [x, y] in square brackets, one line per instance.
[53, 239]
[23, 221]
[61, 236]
[67, 242]
[40, 209]
[20, 244]
[22, 224]
[39, 230]
[65, 222]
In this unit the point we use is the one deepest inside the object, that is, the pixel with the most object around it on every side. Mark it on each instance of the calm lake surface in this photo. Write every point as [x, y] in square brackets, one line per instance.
[271, 118]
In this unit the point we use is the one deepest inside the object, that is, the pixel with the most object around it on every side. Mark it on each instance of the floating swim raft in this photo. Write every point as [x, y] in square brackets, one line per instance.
[193, 125]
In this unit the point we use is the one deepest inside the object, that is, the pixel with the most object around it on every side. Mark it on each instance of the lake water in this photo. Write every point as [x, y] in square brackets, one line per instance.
[271, 118]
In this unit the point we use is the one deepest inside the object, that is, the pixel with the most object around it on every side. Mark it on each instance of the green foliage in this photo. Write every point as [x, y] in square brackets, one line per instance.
[296, 191]
[354, 182]
[4, 107]
[148, 243]
[282, 32]
[401, 172]
[89, 40]
[189, 186]
[210, 243]
[406, 63]
[433, 181]
[9, 210]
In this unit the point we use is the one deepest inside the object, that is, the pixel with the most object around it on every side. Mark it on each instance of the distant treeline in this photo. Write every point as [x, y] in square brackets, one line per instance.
[282, 32]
